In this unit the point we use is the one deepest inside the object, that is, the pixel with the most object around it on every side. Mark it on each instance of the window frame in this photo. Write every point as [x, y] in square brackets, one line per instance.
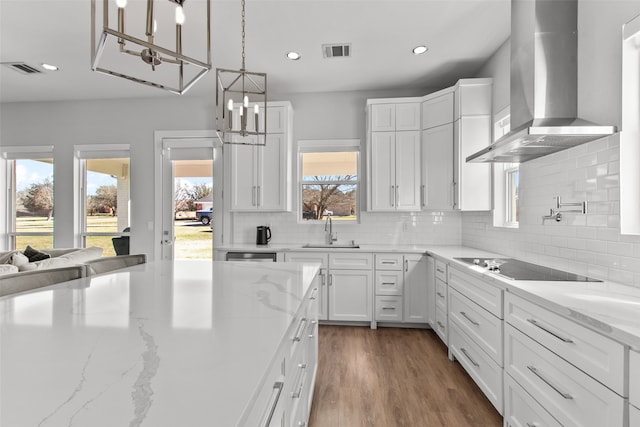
[9, 155]
[329, 146]
[82, 153]
[501, 172]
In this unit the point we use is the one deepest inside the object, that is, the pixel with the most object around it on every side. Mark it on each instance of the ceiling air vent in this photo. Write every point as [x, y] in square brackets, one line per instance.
[21, 67]
[336, 50]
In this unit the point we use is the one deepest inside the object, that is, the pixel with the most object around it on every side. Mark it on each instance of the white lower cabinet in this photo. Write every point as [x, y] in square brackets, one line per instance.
[345, 282]
[431, 291]
[286, 393]
[567, 393]
[475, 331]
[486, 373]
[634, 388]
[401, 288]
[521, 410]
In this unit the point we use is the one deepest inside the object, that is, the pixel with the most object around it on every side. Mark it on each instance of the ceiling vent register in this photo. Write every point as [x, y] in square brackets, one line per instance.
[22, 68]
[342, 50]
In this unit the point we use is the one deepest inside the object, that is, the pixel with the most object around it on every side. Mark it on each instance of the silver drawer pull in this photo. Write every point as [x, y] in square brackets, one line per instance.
[301, 326]
[314, 294]
[273, 402]
[440, 324]
[388, 262]
[440, 294]
[549, 383]
[388, 308]
[532, 424]
[473, 322]
[313, 327]
[296, 394]
[464, 351]
[534, 322]
[388, 283]
[439, 270]
[324, 278]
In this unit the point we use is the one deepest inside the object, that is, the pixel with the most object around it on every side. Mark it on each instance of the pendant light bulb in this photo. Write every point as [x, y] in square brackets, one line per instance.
[179, 15]
[256, 109]
[230, 105]
[245, 101]
[121, 3]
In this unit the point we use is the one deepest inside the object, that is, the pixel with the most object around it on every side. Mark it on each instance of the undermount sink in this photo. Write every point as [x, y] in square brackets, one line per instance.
[351, 245]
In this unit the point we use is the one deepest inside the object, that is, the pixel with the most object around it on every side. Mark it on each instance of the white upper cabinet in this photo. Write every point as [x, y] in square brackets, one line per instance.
[437, 109]
[393, 151]
[456, 122]
[261, 175]
[388, 117]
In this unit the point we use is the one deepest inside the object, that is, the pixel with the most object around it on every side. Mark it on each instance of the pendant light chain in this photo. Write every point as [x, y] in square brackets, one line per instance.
[243, 35]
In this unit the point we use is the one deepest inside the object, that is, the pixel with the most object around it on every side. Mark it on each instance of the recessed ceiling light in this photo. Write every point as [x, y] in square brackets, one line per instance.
[49, 67]
[294, 56]
[419, 50]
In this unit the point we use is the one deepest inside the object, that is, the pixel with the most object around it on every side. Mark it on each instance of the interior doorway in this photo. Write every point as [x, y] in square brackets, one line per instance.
[189, 198]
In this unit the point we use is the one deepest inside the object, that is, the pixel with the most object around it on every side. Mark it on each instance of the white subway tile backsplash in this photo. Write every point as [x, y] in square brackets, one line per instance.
[588, 244]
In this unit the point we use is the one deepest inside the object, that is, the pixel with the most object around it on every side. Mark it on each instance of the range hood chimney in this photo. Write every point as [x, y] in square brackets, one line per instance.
[544, 85]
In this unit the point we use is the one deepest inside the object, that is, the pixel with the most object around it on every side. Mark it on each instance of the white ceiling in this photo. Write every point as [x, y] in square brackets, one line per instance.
[460, 34]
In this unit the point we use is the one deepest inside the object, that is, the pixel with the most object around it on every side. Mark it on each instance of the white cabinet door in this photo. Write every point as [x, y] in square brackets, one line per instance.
[437, 161]
[431, 291]
[272, 185]
[383, 194]
[383, 117]
[321, 279]
[415, 291]
[350, 295]
[244, 177]
[437, 111]
[472, 180]
[407, 170]
[408, 116]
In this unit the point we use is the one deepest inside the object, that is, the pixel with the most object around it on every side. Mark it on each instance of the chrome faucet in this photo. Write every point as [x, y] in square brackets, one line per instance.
[329, 230]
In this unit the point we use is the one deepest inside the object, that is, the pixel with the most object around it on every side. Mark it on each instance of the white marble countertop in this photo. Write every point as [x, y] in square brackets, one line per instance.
[607, 307]
[300, 247]
[151, 345]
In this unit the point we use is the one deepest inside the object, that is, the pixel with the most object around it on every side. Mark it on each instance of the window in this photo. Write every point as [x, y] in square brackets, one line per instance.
[506, 180]
[629, 147]
[104, 178]
[29, 205]
[329, 179]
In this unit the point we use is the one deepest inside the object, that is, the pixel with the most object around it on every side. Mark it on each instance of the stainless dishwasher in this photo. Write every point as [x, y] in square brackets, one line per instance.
[252, 256]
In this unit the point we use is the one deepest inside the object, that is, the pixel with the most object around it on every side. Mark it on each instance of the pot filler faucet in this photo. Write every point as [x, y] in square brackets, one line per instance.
[328, 228]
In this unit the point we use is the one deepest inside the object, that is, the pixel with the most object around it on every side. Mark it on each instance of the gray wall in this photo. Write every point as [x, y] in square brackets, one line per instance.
[134, 121]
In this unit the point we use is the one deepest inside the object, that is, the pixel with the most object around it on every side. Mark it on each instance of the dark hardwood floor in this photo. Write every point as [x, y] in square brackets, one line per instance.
[393, 377]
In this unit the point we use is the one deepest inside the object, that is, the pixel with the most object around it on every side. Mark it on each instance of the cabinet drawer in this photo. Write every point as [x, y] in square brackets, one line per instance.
[482, 293]
[441, 270]
[634, 379]
[437, 111]
[441, 295]
[569, 395]
[483, 327]
[441, 325]
[389, 282]
[484, 371]
[389, 262]
[351, 261]
[595, 354]
[389, 308]
[521, 410]
[306, 257]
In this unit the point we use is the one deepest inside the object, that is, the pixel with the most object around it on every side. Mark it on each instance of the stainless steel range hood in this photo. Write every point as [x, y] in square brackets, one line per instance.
[544, 85]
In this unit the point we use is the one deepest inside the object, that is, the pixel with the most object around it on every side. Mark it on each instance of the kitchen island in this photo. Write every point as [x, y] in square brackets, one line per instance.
[188, 343]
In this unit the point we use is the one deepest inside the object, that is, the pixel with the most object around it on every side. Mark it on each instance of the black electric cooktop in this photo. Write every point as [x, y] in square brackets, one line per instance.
[519, 270]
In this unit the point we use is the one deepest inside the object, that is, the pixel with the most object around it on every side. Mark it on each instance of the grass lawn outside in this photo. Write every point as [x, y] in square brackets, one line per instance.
[193, 239]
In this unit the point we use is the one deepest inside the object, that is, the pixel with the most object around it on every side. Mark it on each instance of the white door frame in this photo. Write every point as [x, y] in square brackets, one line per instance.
[191, 139]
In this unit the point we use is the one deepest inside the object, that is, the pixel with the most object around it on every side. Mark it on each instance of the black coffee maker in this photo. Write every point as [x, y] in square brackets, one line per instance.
[264, 235]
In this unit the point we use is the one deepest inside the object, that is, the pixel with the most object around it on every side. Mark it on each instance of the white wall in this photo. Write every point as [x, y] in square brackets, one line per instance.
[587, 244]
